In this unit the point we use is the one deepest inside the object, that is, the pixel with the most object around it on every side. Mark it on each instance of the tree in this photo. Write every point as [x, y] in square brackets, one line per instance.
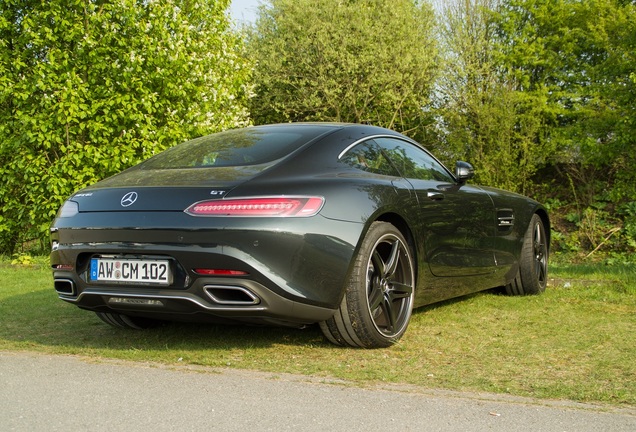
[483, 117]
[578, 59]
[344, 60]
[90, 87]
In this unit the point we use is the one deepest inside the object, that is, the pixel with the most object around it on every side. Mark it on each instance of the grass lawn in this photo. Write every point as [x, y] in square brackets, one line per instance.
[574, 342]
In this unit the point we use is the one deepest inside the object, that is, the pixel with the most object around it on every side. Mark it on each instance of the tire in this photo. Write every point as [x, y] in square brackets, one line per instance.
[378, 300]
[127, 322]
[532, 276]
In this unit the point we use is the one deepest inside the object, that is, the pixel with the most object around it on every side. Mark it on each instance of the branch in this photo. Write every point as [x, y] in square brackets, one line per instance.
[611, 233]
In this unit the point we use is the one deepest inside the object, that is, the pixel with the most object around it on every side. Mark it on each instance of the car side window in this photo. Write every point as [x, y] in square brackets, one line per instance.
[368, 156]
[413, 162]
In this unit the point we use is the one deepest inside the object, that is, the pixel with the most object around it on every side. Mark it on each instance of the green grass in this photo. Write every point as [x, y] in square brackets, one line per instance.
[574, 342]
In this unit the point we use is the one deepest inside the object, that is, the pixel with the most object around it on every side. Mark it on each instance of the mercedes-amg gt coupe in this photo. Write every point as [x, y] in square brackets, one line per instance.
[344, 225]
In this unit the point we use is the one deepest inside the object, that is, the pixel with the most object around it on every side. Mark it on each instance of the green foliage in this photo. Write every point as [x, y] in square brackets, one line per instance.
[576, 61]
[599, 229]
[484, 115]
[88, 88]
[351, 61]
[628, 213]
[23, 260]
[540, 96]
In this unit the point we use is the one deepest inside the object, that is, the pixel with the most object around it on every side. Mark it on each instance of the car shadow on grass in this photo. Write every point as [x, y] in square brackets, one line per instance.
[40, 319]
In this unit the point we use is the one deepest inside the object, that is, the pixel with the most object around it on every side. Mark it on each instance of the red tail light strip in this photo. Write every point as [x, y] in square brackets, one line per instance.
[259, 207]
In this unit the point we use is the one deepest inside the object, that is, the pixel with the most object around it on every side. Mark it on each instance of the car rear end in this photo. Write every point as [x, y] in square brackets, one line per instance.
[185, 235]
[165, 261]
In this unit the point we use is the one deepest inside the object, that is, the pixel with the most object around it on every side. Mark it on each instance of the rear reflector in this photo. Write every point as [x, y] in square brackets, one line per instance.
[219, 272]
[259, 207]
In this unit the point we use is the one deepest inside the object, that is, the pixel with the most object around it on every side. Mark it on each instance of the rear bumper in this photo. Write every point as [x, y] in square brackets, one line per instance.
[217, 298]
[293, 272]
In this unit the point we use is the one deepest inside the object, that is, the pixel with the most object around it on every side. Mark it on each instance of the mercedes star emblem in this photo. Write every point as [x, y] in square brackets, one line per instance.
[129, 199]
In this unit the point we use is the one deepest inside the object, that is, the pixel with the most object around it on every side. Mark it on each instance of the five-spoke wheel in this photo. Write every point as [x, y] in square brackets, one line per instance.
[376, 308]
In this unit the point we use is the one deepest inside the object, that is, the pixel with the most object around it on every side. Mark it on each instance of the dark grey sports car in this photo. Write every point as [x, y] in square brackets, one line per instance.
[348, 226]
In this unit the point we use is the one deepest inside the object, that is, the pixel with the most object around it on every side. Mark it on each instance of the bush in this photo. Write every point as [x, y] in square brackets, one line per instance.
[90, 88]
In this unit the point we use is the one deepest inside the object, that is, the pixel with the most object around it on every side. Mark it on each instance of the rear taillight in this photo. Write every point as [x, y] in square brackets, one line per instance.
[69, 209]
[259, 207]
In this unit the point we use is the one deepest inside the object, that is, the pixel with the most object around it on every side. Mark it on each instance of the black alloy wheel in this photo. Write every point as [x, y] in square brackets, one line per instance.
[378, 301]
[540, 254]
[532, 277]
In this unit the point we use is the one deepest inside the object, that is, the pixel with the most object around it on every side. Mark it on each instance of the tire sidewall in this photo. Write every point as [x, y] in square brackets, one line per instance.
[529, 277]
[356, 293]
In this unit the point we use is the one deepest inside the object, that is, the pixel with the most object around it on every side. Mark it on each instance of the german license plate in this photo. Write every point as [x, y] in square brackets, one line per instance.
[130, 270]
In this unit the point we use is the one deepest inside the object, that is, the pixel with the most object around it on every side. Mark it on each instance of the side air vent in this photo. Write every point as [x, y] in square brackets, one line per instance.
[505, 220]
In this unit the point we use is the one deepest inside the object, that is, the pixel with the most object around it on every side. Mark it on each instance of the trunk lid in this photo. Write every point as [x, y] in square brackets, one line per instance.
[162, 190]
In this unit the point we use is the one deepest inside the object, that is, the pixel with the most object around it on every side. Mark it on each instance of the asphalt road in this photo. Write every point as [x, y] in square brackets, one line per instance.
[64, 393]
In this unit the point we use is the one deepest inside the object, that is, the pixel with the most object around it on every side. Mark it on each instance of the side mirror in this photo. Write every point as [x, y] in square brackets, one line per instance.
[464, 171]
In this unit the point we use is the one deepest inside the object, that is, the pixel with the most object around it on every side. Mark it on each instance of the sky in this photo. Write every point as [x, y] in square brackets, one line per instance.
[244, 10]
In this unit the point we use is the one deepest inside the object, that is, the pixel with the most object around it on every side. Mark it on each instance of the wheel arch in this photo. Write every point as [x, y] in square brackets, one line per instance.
[356, 322]
[400, 223]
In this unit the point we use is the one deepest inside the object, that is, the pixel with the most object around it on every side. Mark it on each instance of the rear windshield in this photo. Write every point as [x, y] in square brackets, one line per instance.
[240, 147]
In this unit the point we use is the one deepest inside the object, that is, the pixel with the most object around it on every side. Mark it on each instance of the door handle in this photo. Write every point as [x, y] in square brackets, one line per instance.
[435, 196]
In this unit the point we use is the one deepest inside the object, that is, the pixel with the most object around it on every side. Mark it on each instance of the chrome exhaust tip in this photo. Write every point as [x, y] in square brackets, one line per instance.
[231, 295]
[64, 287]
